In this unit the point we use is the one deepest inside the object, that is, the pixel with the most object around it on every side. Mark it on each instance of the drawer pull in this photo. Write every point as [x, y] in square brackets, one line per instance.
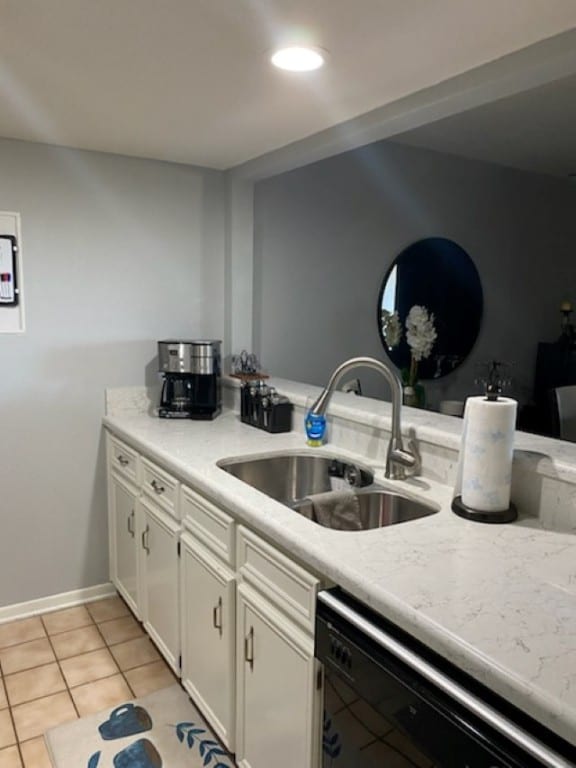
[217, 616]
[157, 488]
[249, 647]
[145, 539]
[131, 520]
[122, 461]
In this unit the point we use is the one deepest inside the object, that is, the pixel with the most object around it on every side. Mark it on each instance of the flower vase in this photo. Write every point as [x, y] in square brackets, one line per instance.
[410, 398]
[414, 396]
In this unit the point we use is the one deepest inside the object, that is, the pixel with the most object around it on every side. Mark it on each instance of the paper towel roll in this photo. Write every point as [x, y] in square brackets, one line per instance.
[486, 453]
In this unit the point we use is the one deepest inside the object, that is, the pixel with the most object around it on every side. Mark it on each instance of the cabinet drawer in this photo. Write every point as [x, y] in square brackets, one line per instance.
[211, 526]
[287, 585]
[123, 459]
[161, 487]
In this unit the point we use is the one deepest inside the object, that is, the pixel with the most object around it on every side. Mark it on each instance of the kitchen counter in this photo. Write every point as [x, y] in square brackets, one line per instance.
[497, 601]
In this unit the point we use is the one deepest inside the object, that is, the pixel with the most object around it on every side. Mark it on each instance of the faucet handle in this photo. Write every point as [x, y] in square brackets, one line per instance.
[403, 457]
[400, 459]
[415, 451]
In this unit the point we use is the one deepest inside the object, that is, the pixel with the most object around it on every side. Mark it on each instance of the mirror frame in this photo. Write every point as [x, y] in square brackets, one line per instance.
[434, 367]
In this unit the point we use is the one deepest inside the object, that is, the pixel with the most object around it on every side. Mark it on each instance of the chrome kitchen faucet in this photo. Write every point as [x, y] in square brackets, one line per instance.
[398, 458]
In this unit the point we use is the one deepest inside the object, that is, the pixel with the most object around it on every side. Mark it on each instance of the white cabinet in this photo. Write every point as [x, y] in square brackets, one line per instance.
[123, 460]
[248, 651]
[160, 605]
[208, 635]
[144, 533]
[229, 612]
[123, 522]
[123, 525]
[161, 487]
[278, 680]
[277, 688]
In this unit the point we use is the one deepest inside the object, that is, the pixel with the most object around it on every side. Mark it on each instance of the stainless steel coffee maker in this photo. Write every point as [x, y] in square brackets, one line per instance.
[192, 385]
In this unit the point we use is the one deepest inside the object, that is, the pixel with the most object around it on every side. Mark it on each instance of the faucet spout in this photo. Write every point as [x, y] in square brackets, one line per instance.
[398, 458]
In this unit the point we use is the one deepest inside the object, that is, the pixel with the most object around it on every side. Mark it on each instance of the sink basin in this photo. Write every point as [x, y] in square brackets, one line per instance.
[372, 508]
[289, 478]
[293, 478]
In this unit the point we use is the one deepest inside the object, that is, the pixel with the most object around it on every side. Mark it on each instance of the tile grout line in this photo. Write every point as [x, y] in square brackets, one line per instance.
[129, 615]
[106, 647]
[11, 714]
[73, 655]
[115, 661]
[60, 669]
[80, 685]
[67, 688]
[56, 660]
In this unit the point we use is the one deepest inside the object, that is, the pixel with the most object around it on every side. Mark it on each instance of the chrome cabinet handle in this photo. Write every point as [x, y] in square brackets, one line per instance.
[217, 616]
[158, 488]
[249, 648]
[121, 460]
[145, 539]
[131, 527]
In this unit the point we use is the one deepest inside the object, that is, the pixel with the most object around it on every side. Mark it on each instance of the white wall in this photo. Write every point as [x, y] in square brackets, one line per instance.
[118, 253]
[326, 234]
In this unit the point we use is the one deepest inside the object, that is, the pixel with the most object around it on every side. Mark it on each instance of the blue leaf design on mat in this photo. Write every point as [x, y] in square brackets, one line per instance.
[180, 730]
[331, 744]
[210, 749]
[192, 733]
[212, 754]
[94, 760]
[206, 744]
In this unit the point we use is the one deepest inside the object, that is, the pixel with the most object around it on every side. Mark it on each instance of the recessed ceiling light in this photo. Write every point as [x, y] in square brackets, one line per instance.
[297, 58]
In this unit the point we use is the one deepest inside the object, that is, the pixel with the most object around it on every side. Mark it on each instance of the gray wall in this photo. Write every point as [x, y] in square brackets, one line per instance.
[118, 253]
[326, 234]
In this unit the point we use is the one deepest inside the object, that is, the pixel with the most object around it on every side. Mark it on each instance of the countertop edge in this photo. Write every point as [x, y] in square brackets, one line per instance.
[535, 701]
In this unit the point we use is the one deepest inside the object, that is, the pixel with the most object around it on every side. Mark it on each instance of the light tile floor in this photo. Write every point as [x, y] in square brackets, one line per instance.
[68, 664]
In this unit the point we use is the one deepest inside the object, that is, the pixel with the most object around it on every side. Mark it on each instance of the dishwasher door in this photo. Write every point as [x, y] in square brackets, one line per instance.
[387, 706]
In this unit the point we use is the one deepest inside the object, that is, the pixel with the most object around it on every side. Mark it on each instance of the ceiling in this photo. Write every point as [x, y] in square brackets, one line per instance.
[532, 131]
[189, 80]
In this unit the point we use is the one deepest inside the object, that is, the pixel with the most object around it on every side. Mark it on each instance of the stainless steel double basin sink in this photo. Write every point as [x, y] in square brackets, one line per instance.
[328, 491]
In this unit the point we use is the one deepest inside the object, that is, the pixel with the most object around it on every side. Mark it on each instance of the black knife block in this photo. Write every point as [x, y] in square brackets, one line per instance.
[260, 412]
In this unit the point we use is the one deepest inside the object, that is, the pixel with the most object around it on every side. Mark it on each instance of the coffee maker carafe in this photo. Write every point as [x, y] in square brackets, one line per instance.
[192, 386]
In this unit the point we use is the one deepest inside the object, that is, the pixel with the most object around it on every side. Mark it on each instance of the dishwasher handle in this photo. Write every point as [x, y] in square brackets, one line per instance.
[516, 735]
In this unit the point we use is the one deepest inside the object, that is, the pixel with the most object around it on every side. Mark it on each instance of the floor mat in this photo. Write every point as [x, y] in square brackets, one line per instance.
[162, 730]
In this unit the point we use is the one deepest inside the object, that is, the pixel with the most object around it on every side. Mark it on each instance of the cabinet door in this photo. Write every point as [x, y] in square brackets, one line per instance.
[123, 540]
[277, 694]
[160, 584]
[208, 636]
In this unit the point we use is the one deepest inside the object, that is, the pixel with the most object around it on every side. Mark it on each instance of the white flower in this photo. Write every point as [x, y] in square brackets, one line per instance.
[391, 328]
[420, 332]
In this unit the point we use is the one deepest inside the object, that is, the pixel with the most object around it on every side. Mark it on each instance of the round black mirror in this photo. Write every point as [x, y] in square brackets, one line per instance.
[438, 275]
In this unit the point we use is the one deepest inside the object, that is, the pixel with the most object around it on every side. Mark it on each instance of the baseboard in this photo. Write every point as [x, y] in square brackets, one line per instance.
[56, 602]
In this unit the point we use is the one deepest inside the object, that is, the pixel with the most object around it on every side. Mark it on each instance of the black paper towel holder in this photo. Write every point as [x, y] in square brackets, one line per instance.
[479, 516]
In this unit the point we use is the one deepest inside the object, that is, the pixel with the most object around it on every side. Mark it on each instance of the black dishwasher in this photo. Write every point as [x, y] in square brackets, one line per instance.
[389, 702]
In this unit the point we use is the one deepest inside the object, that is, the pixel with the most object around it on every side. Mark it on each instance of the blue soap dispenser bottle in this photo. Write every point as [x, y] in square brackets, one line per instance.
[315, 425]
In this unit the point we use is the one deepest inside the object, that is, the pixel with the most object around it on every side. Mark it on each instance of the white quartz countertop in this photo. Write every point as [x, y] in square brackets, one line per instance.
[498, 601]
